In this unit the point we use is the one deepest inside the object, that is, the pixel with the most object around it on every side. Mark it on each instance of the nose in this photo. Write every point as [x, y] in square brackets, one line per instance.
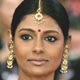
[38, 47]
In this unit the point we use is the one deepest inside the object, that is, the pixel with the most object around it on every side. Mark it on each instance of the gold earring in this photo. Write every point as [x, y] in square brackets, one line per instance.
[11, 56]
[64, 66]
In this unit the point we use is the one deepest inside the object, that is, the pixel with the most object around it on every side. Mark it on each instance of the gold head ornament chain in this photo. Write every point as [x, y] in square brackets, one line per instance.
[39, 16]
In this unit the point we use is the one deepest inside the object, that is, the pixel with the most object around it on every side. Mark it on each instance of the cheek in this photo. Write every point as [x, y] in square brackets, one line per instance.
[55, 54]
[22, 50]
[56, 49]
[19, 55]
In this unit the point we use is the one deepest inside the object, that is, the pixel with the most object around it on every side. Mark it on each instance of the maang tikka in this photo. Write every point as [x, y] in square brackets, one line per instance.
[39, 16]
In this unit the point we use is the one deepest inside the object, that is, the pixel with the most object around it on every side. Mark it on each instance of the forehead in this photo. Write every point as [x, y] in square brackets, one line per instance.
[47, 23]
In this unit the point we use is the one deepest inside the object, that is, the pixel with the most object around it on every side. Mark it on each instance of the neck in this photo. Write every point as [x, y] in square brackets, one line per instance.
[25, 76]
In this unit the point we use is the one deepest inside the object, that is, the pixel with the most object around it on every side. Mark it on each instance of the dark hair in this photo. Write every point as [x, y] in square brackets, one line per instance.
[51, 8]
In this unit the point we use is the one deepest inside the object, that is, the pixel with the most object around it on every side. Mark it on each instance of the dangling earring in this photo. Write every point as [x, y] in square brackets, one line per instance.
[64, 66]
[11, 56]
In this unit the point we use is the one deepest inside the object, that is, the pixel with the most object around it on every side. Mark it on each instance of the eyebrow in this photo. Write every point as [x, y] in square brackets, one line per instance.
[51, 31]
[31, 30]
[26, 29]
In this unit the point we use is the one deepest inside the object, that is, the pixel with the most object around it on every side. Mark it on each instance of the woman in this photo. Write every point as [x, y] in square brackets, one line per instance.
[39, 39]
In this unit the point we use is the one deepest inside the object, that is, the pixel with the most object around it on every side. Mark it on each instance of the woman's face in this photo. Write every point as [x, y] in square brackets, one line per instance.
[38, 48]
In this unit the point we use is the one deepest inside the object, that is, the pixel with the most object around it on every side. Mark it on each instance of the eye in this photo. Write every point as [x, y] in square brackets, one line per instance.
[26, 37]
[50, 38]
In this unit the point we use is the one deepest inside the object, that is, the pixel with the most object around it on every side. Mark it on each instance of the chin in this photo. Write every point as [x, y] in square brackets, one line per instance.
[38, 72]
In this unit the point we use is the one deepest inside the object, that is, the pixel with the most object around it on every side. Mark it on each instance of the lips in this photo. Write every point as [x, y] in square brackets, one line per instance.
[37, 62]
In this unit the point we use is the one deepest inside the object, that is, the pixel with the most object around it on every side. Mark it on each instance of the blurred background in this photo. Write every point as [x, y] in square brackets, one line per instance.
[7, 8]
